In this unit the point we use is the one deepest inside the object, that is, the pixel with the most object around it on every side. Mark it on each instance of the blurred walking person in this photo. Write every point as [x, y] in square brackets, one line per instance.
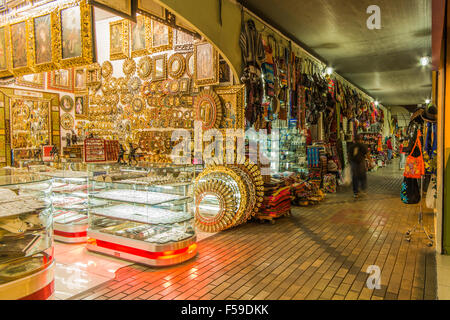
[357, 155]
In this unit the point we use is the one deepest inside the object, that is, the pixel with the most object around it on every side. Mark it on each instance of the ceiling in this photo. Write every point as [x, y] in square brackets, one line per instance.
[384, 63]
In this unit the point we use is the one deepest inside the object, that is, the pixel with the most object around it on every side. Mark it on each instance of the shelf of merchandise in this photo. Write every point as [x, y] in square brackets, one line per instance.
[26, 235]
[146, 217]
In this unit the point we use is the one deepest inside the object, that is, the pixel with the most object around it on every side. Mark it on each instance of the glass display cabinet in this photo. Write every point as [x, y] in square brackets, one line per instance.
[26, 237]
[145, 216]
[70, 204]
[293, 151]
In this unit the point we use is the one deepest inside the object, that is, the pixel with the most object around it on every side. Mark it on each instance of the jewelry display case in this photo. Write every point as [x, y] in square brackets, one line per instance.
[70, 204]
[146, 217]
[26, 236]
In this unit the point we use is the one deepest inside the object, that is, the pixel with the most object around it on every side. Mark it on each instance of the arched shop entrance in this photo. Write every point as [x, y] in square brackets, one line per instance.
[113, 137]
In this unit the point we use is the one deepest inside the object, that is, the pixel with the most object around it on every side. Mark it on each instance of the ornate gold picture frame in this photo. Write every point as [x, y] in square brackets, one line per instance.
[35, 80]
[81, 106]
[44, 30]
[119, 39]
[183, 41]
[122, 8]
[208, 109]
[176, 65]
[4, 49]
[60, 80]
[75, 43]
[19, 53]
[93, 76]
[159, 67]
[79, 75]
[145, 67]
[206, 64]
[233, 102]
[162, 37]
[140, 36]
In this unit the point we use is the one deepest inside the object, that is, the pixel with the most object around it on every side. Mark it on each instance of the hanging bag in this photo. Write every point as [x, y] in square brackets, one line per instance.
[410, 192]
[415, 167]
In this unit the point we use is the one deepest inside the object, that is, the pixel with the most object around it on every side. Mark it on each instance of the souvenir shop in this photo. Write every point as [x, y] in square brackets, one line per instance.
[90, 102]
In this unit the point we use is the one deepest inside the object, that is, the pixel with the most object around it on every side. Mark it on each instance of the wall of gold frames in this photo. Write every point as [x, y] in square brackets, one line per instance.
[145, 84]
[28, 120]
[55, 37]
[144, 96]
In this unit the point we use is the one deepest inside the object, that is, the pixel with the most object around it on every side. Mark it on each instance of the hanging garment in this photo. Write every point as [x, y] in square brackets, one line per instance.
[430, 149]
[431, 194]
[253, 54]
[414, 167]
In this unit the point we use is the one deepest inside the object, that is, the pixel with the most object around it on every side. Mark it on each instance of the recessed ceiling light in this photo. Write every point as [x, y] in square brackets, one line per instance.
[424, 61]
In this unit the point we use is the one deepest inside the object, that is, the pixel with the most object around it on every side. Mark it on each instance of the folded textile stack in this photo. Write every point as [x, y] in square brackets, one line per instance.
[306, 193]
[277, 199]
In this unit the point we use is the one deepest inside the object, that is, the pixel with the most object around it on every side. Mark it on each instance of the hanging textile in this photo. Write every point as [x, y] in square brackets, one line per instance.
[253, 54]
[430, 149]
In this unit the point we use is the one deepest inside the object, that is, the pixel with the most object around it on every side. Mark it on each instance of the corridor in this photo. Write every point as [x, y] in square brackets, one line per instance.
[320, 252]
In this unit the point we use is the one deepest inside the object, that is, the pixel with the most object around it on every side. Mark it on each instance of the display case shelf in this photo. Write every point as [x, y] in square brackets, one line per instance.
[26, 241]
[143, 220]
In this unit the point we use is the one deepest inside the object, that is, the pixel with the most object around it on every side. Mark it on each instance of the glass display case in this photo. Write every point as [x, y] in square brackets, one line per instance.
[141, 214]
[70, 204]
[293, 151]
[26, 236]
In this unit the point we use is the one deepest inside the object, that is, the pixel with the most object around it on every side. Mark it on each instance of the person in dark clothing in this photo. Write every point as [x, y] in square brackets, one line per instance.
[357, 158]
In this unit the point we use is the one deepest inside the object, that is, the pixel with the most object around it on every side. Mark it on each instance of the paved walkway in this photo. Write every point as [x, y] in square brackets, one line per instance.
[321, 252]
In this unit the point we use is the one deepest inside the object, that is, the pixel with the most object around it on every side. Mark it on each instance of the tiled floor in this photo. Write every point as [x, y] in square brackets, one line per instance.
[78, 270]
[321, 252]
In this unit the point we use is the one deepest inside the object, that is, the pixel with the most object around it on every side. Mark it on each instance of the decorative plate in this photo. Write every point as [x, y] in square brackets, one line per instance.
[134, 85]
[146, 89]
[122, 85]
[208, 109]
[176, 65]
[138, 104]
[129, 67]
[144, 68]
[67, 121]
[107, 69]
[126, 98]
[66, 103]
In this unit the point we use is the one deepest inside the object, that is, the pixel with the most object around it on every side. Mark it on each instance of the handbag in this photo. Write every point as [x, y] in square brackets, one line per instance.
[415, 167]
[410, 192]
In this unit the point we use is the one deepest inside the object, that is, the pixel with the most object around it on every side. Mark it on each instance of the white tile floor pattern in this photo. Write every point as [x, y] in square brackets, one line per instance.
[78, 270]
